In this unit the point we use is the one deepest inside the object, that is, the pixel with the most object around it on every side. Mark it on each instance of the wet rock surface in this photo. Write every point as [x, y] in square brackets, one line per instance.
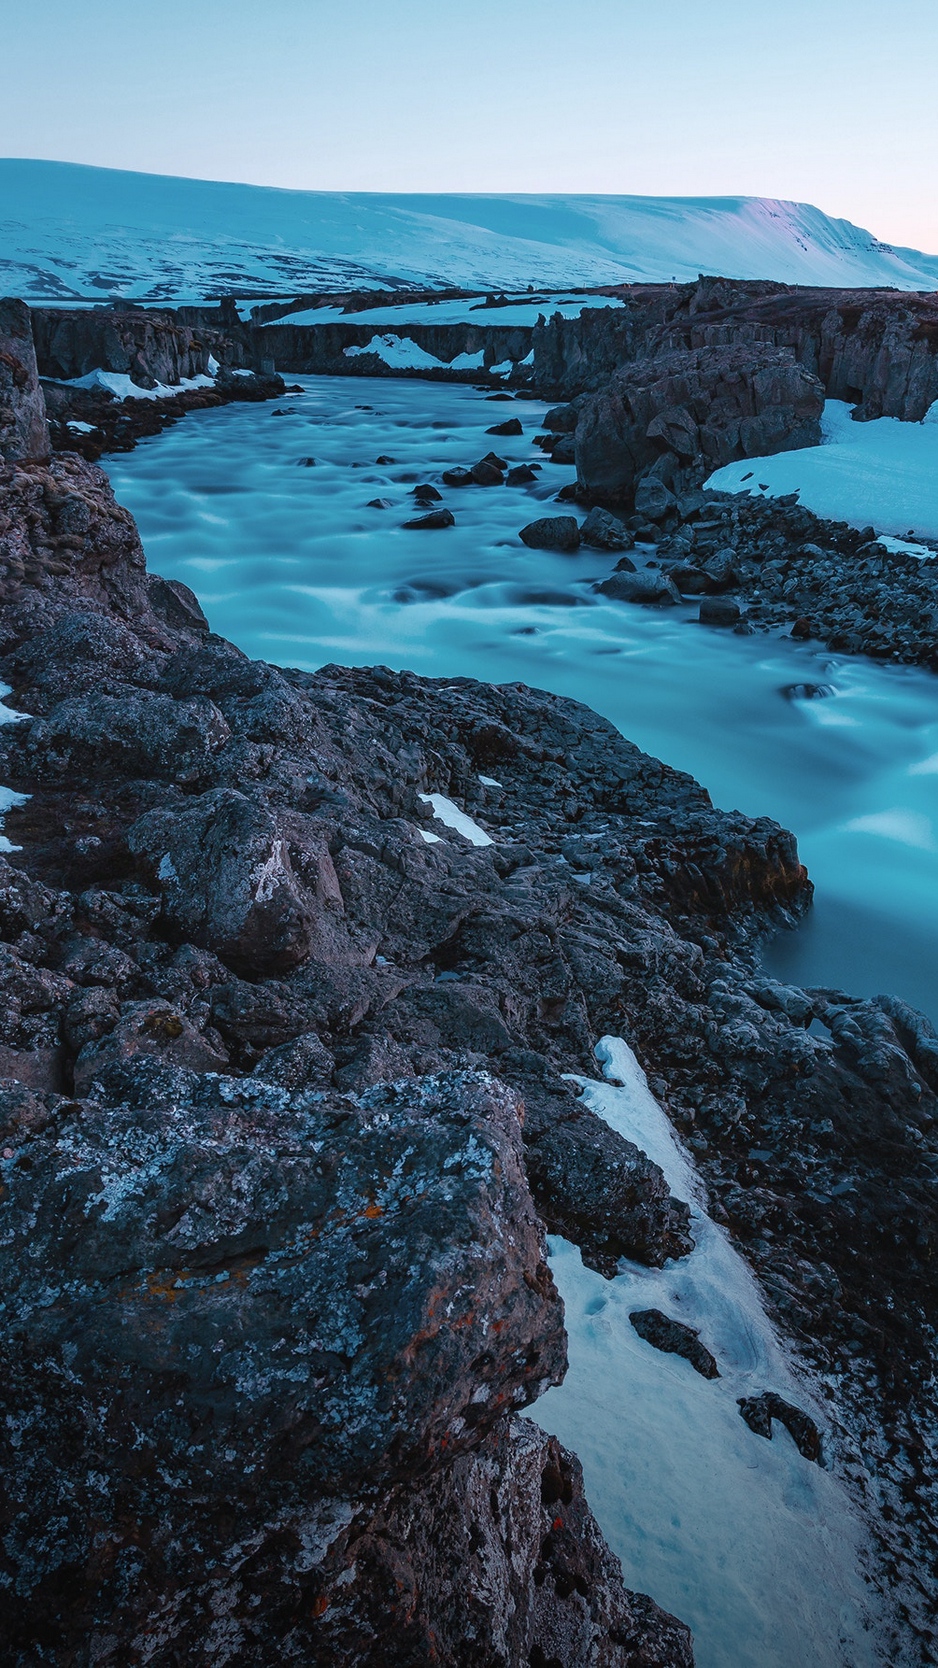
[345, 952]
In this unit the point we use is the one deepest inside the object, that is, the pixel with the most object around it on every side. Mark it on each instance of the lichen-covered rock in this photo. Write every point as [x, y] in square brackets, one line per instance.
[219, 1293]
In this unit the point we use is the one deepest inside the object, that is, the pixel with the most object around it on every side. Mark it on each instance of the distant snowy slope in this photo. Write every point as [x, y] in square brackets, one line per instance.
[70, 232]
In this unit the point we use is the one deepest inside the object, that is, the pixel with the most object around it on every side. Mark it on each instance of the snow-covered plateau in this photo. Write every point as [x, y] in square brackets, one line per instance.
[70, 233]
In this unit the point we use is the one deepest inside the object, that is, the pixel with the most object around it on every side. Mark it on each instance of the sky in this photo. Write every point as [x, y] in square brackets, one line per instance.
[830, 102]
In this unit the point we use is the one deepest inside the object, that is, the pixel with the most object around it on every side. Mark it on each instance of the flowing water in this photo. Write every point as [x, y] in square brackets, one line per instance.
[292, 564]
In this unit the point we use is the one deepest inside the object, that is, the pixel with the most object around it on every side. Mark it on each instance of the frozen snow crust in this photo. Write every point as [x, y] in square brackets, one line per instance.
[70, 232]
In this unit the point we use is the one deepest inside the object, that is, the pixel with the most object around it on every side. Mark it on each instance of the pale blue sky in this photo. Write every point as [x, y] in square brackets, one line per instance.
[826, 101]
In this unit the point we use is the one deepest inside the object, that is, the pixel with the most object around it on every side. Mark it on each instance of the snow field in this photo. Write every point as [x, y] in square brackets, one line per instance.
[754, 1546]
[882, 474]
[71, 233]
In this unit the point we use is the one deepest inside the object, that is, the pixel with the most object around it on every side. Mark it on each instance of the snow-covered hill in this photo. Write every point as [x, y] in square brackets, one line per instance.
[69, 232]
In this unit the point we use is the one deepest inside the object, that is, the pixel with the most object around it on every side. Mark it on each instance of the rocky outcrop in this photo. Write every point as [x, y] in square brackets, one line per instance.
[92, 421]
[274, 1281]
[683, 415]
[763, 563]
[24, 432]
[876, 349]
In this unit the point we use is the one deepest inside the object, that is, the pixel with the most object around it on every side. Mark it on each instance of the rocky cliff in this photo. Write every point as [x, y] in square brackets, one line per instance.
[24, 431]
[876, 349]
[149, 347]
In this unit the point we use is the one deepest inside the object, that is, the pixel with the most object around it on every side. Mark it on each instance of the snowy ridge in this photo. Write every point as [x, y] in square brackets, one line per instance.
[70, 233]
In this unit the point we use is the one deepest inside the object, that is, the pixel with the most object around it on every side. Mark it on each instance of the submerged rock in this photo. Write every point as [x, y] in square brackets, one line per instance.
[436, 519]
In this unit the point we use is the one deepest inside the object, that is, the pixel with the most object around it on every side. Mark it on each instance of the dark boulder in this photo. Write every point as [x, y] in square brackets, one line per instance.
[603, 531]
[652, 499]
[625, 586]
[564, 451]
[691, 581]
[521, 475]
[552, 532]
[486, 474]
[512, 425]
[720, 611]
[224, 872]
[436, 518]
[457, 477]
[426, 493]
[674, 1338]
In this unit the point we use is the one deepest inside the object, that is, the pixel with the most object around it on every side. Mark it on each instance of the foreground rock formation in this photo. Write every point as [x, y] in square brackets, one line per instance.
[274, 1282]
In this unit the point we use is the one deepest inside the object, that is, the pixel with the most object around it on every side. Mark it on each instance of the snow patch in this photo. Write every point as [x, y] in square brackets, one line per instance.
[399, 353]
[452, 817]
[882, 474]
[121, 385]
[754, 1546]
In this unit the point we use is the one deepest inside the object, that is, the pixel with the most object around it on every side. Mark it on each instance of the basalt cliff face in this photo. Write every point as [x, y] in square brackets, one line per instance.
[876, 349]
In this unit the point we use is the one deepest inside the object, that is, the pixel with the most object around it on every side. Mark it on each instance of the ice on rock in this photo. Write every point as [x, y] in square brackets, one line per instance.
[756, 1548]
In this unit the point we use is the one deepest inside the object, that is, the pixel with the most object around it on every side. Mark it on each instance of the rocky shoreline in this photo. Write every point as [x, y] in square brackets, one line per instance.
[286, 1061]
